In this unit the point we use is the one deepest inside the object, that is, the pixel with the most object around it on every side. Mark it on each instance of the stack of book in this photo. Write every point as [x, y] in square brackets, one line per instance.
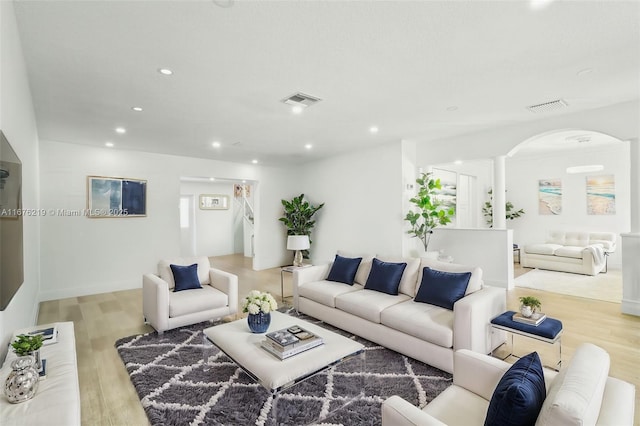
[534, 319]
[49, 335]
[290, 341]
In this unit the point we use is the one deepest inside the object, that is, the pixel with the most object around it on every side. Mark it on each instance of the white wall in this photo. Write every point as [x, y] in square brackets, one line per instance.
[490, 249]
[523, 174]
[17, 121]
[87, 256]
[363, 194]
[214, 229]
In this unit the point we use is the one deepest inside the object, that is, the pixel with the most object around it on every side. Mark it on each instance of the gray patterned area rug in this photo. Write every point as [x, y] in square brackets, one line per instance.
[176, 387]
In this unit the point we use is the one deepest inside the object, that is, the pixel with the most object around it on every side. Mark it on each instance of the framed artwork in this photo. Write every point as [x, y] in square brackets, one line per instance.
[601, 195]
[214, 202]
[550, 196]
[109, 197]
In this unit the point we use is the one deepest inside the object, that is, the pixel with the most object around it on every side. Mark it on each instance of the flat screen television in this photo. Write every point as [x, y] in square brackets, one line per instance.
[11, 254]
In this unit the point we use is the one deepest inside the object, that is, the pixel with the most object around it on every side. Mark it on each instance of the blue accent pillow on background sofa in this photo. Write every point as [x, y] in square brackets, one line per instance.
[385, 276]
[185, 277]
[442, 288]
[519, 395]
[344, 269]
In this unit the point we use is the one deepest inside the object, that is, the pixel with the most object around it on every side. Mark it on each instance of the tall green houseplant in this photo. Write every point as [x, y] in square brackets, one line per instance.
[511, 212]
[430, 213]
[298, 217]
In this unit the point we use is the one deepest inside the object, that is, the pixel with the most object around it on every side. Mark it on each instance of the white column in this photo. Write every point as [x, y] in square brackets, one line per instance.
[631, 241]
[499, 193]
[634, 187]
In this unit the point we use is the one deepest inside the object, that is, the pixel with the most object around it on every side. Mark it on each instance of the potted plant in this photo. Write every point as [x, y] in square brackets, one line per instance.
[487, 210]
[298, 218]
[529, 305]
[431, 212]
[259, 306]
[28, 345]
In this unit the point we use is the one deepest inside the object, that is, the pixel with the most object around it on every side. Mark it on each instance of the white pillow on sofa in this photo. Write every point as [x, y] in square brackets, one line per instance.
[365, 265]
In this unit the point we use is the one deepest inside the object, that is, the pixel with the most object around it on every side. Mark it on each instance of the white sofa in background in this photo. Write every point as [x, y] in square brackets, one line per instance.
[57, 400]
[581, 394]
[421, 331]
[165, 309]
[576, 252]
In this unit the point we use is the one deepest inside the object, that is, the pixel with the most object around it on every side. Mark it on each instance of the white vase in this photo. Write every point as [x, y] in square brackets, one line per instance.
[526, 311]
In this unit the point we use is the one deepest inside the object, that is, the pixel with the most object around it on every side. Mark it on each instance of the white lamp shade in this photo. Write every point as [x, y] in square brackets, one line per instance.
[298, 242]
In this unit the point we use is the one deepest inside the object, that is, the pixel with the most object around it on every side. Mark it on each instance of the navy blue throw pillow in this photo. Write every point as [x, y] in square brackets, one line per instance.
[344, 269]
[442, 288]
[385, 276]
[185, 277]
[519, 395]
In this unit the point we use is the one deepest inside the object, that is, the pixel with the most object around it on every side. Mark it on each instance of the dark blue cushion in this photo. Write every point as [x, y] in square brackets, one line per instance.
[385, 276]
[442, 288]
[344, 269]
[185, 277]
[549, 328]
[519, 395]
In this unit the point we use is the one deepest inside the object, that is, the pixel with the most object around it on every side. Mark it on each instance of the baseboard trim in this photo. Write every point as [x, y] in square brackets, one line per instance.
[631, 307]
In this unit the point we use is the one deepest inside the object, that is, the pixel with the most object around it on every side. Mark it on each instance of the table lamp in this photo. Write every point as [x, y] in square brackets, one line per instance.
[298, 243]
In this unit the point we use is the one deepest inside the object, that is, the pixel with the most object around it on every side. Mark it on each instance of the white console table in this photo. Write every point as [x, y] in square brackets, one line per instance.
[57, 401]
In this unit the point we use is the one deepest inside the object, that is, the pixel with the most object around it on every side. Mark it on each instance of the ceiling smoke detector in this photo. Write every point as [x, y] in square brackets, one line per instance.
[301, 100]
[548, 106]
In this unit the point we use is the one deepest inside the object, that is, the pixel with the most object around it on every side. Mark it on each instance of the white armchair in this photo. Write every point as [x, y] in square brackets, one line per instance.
[165, 309]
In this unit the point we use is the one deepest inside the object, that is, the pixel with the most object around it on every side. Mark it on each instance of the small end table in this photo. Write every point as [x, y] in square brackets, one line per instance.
[549, 331]
[289, 269]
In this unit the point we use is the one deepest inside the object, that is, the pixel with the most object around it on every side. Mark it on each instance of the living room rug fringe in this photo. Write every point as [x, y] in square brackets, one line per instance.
[169, 376]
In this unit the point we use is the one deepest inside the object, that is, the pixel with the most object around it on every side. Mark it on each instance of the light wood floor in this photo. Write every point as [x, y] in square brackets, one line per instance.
[108, 398]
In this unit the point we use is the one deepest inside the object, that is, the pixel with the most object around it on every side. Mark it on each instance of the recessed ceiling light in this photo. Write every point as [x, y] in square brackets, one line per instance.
[121, 130]
[108, 144]
[539, 4]
[244, 181]
[585, 169]
[457, 162]
[212, 179]
[254, 161]
[373, 129]
[584, 72]
[452, 108]
[308, 146]
[136, 109]
[296, 109]
[216, 144]
[165, 71]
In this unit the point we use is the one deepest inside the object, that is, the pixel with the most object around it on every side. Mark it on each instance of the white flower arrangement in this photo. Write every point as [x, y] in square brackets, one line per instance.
[257, 301]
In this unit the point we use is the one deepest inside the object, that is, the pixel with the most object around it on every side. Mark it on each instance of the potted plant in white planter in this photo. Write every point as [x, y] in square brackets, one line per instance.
[529, 305]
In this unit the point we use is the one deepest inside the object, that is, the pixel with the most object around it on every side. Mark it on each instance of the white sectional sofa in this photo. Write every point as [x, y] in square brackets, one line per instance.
[581, 394]
[576, 252]
[419, 330]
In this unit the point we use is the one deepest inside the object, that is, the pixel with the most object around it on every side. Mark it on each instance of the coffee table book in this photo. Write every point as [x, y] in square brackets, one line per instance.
[535, 319]
[270, 347]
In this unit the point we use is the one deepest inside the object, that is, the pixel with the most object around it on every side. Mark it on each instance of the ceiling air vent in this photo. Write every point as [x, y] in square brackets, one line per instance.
[301, 99]
[547, 106]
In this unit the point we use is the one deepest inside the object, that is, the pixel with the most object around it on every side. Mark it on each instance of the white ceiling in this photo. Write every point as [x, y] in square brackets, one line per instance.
[396, 65]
